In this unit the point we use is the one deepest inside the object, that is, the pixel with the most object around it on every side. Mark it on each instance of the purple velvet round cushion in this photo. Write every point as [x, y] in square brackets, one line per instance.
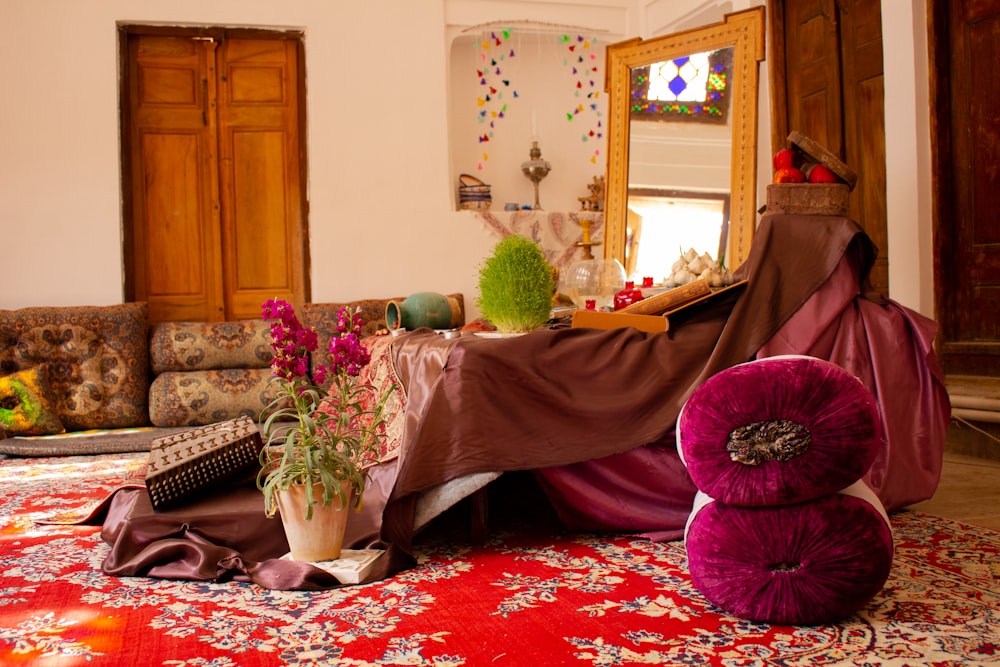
[806, 564]
[778, 430]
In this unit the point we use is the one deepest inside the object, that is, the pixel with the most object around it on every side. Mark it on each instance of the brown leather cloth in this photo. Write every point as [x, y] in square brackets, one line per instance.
[550, 400]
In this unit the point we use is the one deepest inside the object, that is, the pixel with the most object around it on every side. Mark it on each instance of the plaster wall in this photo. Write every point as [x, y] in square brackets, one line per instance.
[382, 174]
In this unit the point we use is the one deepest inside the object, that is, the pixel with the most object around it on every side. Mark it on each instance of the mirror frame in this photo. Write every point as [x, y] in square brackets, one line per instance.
[744, 31]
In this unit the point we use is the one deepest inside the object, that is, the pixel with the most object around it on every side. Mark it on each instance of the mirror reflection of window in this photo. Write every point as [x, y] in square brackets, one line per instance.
[669, 226]
[690, 87]
[679, 80]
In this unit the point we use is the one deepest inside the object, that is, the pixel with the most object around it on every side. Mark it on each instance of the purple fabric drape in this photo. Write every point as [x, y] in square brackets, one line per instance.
[890, 349]
[887, 346]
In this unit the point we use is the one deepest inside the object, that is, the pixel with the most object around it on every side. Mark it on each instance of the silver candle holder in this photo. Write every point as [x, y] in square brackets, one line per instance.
[536, 169]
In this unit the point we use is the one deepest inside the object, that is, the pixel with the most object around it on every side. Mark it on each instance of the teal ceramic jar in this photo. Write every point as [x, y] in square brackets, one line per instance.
[424, 309]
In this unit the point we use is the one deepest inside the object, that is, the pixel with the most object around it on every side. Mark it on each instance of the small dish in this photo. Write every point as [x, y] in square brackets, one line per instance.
[499, 334]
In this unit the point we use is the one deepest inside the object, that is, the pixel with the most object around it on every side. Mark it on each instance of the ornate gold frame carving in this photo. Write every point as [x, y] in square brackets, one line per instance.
[744, 31]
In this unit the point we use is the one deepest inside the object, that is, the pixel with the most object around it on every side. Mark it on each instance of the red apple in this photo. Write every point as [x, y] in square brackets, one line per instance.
[786, 158]
[822, 174]
[789, 175]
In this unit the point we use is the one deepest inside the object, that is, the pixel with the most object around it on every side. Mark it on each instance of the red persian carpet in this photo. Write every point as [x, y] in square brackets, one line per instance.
[534, 594]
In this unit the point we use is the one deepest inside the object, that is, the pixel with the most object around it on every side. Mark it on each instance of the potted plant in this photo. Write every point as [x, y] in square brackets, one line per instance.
[319, 443]
[516, 286]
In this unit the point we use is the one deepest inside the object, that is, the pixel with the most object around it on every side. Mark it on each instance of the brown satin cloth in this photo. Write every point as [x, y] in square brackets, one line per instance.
[560, 397]
[225, 536]
[595, 409]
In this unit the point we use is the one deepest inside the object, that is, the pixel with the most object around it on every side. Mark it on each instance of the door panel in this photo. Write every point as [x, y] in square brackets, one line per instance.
[214, 189]
[864, 124]
[832, 91]
[258, 136]
[172, 215]
[813, 71]
[967, 152]
[174, 225]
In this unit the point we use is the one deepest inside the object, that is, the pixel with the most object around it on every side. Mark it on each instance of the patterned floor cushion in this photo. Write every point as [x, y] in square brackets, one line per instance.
[200, 346]
[197, 398]
[96, 360]
[24, 404]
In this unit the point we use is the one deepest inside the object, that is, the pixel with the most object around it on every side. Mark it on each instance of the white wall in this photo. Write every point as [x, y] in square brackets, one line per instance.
[908, 155]
[381, 172]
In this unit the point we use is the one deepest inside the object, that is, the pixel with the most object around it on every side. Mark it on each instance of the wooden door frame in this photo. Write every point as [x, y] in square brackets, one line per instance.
[125, 30]
[777, 75]
[942, 191]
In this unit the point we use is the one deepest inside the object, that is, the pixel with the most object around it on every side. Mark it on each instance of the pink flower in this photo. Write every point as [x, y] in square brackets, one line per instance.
[293, 344]
[290, 341]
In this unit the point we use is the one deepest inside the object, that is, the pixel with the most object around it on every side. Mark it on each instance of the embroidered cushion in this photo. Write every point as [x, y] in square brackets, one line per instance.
[24, 408]
[96, 360]
[198, 346]
[197, 398]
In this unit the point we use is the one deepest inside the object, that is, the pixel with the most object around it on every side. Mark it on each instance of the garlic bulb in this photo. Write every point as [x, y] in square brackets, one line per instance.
[691, 266]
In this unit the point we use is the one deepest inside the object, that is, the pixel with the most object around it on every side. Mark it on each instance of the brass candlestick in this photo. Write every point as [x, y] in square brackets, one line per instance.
[585, 220]
[536, 169]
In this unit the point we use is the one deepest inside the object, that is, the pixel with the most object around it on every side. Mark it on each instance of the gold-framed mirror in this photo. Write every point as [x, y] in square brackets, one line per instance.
[739, 40]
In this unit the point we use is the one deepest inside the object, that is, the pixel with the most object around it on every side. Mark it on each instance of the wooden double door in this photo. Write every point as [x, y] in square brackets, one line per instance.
[829, 85]
[213, 171]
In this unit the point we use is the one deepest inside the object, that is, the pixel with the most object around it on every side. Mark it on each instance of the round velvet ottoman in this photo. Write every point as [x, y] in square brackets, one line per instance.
[778, 430]
[804, 564]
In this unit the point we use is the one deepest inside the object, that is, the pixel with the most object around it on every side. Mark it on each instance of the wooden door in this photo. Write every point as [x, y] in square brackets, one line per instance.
[965, 135]
[213, 160]
[829, 86]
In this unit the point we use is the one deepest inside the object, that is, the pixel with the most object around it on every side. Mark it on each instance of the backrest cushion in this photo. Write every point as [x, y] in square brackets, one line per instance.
[198, 398]
[96, 359]
[24, 404]
[199, 346]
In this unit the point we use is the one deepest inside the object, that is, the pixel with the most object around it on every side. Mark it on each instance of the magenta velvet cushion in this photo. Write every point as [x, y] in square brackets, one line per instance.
[778, 430]
[805, 564]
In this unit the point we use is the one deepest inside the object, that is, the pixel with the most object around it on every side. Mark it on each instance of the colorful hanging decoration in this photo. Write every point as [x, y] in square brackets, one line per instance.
[494, 50]
[580, 60]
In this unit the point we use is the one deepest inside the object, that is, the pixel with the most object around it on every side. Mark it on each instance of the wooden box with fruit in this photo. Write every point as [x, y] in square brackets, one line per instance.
[809, 180]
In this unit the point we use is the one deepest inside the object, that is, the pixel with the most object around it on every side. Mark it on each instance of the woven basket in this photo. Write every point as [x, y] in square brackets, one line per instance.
[473, 194]
[808, 198]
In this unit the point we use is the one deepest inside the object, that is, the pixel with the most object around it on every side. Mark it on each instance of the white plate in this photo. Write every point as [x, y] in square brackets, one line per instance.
[498, 334]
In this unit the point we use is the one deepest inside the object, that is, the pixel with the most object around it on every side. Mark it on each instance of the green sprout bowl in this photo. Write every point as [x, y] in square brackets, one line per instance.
[516, 286]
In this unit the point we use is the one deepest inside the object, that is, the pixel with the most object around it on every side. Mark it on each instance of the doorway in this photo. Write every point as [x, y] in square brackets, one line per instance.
[213, 164]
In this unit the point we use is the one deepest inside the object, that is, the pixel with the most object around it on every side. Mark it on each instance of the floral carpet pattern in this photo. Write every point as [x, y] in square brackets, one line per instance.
[532, 595]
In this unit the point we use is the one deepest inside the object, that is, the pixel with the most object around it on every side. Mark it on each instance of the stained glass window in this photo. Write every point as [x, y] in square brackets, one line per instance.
[688, 88]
